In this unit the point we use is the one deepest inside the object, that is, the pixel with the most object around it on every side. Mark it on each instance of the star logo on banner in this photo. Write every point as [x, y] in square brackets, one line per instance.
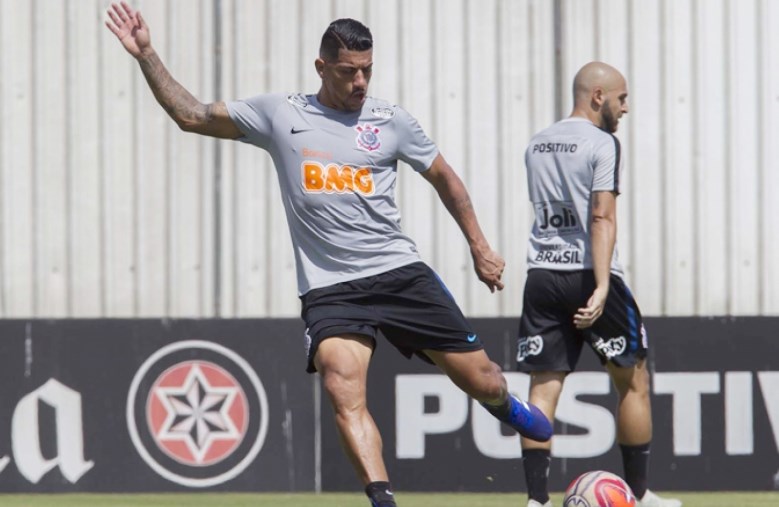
[198, 414]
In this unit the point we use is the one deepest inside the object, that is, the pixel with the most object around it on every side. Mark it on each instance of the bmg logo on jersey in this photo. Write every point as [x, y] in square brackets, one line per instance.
[336, 179]
[556, 218]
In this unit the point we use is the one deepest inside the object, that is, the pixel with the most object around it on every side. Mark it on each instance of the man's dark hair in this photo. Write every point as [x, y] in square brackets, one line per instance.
[344, 34]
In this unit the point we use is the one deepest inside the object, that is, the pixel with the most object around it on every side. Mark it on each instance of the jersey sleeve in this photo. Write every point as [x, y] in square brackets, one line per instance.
[607, 165]
[253, 117]
[414, 147]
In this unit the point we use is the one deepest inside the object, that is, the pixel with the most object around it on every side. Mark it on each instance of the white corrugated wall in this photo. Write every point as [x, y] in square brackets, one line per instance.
[108, 210]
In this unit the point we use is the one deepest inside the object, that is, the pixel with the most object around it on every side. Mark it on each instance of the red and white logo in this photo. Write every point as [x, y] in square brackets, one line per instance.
[368, 137]
[197, 413]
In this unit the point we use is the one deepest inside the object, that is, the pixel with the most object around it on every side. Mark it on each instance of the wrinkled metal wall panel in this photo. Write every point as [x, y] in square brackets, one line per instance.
[108, 210]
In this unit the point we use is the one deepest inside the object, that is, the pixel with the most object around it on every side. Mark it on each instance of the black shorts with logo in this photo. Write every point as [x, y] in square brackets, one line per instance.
[548, 339]
[410, 305]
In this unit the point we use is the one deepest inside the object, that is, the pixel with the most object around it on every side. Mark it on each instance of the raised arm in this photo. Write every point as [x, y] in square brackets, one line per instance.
[189, 114]
[487, 263]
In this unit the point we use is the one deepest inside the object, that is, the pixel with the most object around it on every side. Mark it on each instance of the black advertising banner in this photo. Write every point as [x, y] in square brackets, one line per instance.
[137, 405]
[225, 405]
[715, 399]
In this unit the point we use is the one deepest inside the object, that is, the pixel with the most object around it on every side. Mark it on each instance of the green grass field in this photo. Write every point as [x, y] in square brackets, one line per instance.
[718, 499]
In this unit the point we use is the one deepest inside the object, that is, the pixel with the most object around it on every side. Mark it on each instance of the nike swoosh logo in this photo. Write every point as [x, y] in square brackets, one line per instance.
[293, 130]
[471, 338]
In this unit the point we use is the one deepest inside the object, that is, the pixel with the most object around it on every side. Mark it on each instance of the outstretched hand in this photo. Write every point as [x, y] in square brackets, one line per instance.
[586, 317]
[130, 28]
[489, 268]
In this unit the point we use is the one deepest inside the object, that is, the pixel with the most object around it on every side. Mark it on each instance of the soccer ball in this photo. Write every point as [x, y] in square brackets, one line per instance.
[599, 489]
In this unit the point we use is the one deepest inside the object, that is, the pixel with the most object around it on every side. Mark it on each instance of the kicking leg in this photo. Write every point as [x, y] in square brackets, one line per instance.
[483, 380]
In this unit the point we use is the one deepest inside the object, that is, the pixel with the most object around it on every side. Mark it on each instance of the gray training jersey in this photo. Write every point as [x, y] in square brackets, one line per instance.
[566, 163]
[337, 173]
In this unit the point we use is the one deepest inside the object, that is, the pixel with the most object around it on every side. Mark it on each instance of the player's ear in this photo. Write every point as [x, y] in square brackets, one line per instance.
[320, 67]
[598, 97]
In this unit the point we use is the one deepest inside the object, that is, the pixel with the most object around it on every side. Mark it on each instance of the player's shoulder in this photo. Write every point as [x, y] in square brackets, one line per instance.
[300, 100]
[263, 101]
[601, 140]
[578, 126]
[579, 130]
[276, 99]
[290, 103]
[382, 110]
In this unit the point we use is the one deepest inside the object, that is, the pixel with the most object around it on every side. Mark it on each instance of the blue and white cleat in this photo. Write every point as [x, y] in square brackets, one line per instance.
[525, 418]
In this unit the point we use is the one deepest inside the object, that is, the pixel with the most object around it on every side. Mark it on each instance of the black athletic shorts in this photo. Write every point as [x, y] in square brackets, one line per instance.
[410, 306]
[548, 339]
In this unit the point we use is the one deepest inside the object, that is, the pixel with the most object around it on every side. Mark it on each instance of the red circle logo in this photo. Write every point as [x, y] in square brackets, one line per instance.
[197, 413]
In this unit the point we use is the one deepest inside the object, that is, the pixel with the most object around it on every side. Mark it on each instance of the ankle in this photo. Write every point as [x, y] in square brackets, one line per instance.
[536, 463]
[499, 409]
[380, 494]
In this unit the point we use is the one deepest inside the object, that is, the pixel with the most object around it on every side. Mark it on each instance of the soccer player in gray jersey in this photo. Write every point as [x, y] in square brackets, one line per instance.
[575, 292]
[336, 155]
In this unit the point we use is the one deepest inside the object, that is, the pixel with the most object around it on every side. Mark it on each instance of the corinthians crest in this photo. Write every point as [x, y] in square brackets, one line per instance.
[368, 137]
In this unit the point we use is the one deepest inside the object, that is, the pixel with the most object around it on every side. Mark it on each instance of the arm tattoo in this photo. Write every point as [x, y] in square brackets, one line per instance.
[174, 98]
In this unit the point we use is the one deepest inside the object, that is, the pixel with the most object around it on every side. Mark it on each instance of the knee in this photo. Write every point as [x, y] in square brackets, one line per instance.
[632, 381]
[346, 393]
[334, 382]
[490, 385]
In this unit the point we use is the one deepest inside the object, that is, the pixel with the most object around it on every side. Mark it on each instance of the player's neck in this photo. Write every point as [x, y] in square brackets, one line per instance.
[324, 98]
[590, 115]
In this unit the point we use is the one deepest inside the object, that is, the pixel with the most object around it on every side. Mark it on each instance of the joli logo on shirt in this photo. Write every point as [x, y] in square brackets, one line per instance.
[556, 218]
